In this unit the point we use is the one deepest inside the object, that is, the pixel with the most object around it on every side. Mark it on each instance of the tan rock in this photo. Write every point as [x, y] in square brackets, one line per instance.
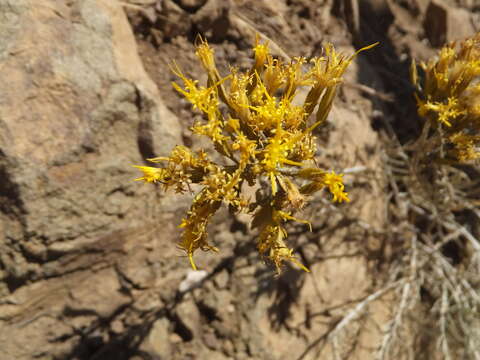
[158, 342]
[444, 23]
[77, 111]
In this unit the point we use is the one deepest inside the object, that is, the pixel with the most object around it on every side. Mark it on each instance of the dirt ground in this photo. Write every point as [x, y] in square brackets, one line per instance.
[129, 294]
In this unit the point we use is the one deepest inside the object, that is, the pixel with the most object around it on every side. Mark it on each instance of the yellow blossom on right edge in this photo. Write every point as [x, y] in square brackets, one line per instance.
[448, 96]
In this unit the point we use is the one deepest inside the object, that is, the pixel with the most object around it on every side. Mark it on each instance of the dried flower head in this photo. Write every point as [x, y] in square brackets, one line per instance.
[264, 137]
[448, 96]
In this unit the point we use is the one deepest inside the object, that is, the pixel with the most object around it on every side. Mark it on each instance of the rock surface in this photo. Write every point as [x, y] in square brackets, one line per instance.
[446, 23]
[78, 111]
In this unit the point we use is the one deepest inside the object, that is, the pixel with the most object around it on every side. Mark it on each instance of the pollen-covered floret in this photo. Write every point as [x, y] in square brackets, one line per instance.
[151, 174]
[253, 122]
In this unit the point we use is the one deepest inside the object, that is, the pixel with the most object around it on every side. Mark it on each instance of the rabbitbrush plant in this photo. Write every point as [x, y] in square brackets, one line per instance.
[435, 185]
[265, 140]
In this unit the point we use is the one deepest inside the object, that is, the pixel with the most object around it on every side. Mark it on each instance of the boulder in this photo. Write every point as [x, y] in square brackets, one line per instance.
[444, 23]
[77, 110]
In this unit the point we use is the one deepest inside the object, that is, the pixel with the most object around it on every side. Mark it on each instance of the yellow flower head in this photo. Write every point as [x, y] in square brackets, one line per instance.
[261, 54]
[336, 187]
[253, 122]
[205, 54]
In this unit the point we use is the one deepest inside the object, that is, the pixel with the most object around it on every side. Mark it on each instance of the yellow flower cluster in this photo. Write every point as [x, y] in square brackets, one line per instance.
[252, 120]
[448, 96]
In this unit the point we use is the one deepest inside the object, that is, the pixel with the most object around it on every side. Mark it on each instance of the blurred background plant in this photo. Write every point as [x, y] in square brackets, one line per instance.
[435, 185]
